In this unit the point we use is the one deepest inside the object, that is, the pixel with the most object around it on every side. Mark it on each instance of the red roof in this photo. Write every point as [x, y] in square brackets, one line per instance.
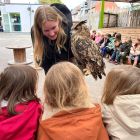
[109, 6]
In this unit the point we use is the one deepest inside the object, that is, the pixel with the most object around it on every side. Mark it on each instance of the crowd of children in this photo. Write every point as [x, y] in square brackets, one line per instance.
[70, 114]
[118, 51]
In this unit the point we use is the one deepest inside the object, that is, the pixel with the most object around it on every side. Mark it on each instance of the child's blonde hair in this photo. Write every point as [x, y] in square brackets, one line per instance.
[65, 86]
[123, 80]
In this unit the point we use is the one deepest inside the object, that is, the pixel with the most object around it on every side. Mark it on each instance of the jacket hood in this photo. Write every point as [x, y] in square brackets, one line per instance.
[22, 126]
[79, 124]
[126, 111]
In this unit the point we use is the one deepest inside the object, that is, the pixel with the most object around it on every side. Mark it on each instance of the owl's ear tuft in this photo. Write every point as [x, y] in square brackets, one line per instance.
[79, 24]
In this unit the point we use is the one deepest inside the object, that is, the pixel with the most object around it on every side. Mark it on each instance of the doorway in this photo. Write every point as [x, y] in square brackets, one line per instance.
[15, 22]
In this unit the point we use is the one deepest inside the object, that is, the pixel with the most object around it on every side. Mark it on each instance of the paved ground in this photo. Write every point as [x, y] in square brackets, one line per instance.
[12, 39]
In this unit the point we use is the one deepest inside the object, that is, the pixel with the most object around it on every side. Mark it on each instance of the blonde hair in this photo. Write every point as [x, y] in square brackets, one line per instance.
[65, 87]
[43, 14]
[123, 80]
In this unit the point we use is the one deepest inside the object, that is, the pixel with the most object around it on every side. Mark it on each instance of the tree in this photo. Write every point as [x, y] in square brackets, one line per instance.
[49, 1]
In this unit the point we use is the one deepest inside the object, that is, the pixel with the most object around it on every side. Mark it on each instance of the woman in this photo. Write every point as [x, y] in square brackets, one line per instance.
[51, 33]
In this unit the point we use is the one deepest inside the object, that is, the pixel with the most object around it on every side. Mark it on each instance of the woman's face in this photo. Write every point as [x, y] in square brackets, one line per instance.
[51, 29]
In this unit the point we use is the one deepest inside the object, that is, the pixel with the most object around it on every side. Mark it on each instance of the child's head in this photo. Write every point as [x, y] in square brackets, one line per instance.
[18, 84]
[65, 86]
[137, 43]
[118, 36]
[94, 31]
[114, 34]
[123, 80]
[128, 40]
[117, 43]
[98, 33]
[107, 36]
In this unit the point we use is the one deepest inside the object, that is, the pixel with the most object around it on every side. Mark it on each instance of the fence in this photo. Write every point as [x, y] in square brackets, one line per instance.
[129, 19]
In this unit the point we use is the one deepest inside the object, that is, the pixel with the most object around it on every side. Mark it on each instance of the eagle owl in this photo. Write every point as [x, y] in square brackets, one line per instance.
[86, 52]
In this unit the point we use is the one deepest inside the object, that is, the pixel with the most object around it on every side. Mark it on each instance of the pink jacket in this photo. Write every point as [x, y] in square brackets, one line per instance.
[22, 126]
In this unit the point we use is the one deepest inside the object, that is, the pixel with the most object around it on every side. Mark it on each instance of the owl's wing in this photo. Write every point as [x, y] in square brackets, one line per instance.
[75, 51]
[87, 52]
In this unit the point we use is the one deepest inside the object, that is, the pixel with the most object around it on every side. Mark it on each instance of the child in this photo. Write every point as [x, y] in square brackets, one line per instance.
[99, 36]
[20, 109]
[111, 46]
[125, 49]
[121, 103]
[116, 52]
[72, 116]
[103, 46]
[135, 53]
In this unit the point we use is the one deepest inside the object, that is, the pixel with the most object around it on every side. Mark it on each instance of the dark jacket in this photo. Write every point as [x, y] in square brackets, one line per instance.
[125, 47]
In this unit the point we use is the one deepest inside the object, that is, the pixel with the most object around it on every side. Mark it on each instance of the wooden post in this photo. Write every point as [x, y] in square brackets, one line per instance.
[19, 55]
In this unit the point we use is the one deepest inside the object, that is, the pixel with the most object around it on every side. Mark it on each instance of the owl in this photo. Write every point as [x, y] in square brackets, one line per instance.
[86, 52]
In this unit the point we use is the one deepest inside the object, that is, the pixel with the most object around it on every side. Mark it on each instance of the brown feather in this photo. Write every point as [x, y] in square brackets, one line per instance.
[87, 52]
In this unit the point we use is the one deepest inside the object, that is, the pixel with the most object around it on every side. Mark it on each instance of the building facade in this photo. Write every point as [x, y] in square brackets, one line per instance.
[90, 11]
[17, 17]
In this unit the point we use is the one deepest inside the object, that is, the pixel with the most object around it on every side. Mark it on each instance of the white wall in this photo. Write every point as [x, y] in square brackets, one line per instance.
[26, 16]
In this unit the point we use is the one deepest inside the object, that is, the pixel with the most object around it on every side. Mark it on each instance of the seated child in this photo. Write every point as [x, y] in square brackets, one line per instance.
[121, 103]
[99, 36]
[111, 45]
[72, 115]
[125, 49]
[116, 52]
[135, 53]
[20, 109]
[104, 45]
